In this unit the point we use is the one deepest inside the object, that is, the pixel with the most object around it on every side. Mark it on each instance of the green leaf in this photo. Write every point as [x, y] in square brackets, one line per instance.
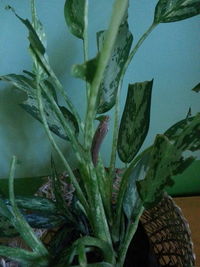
[31, 106]
[113, 72]
[189, 137]
[159, 172]
[135, 120]
[175, 10]
[21, 82]
[44, 220]
[6, 228]
[196, 88]
[86, 71]
[23, 256]
[33, 203]
[74, 12]
[38, 27]
[132, 200]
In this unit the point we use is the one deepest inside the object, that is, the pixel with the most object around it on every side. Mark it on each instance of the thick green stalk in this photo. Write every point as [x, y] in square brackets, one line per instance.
[79, 192]
[119, 9]
[58, 86]
[20, 223]
[85, 44]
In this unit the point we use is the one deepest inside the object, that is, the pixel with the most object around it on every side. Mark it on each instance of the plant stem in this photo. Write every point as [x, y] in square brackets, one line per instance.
[122, 190]
[20, 223]
[79, 192]
[115, 138]
[128, 237]
[137, 46]
[73, 140]
[119, 9]
[85, 44]
[58, 86]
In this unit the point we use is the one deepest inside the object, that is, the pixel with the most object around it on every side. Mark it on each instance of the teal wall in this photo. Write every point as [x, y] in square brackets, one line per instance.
[170, 56]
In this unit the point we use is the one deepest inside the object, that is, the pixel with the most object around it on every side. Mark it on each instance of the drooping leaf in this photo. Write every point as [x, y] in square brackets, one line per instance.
[114, 69]
[175, 10]
[197, 88]
[33, 203]
[44, 220]
[135, 120]
[31, 106]
[21, 82]
[74, 12]
[159, 172]
[131, 199]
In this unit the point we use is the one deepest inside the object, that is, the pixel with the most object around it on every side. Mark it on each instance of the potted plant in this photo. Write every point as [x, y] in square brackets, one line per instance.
[95, 210]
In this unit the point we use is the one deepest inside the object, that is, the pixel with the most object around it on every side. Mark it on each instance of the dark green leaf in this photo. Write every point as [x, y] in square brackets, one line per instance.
[114, 69]
[31, 106]
[197, 88]
[6, 228]
[43, 220]
[135, 120]
[86, 71]
[159, 172]
[25, 257]
[132, 200]
[74, 11]
[189, 137]
[175, 10]
[21, 82]
[35, 204]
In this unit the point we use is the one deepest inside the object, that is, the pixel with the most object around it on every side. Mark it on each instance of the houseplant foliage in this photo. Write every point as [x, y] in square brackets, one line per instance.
[95, 223]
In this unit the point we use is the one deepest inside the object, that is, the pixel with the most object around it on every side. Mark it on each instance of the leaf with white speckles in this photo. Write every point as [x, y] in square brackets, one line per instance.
[135, 120]
[159, 171]
[31, 106]
[113, 72]
[175, 10]
[74, 11]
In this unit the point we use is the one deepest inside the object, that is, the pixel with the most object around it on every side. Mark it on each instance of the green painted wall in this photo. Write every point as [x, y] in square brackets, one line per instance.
[170, 56]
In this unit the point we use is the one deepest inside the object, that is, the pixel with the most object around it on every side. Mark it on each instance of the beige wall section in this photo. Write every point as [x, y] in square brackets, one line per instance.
[191, 209]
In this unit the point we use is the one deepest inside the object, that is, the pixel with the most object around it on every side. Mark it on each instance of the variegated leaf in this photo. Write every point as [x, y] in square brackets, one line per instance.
[131, 199]
[38, 27]
[135, 120]
[175, 10]
[20, 82]
[159, 171]
[74, 11]
[43, 220]
[113, 72]
[189, 137]
[31, 106]
[34, 203]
